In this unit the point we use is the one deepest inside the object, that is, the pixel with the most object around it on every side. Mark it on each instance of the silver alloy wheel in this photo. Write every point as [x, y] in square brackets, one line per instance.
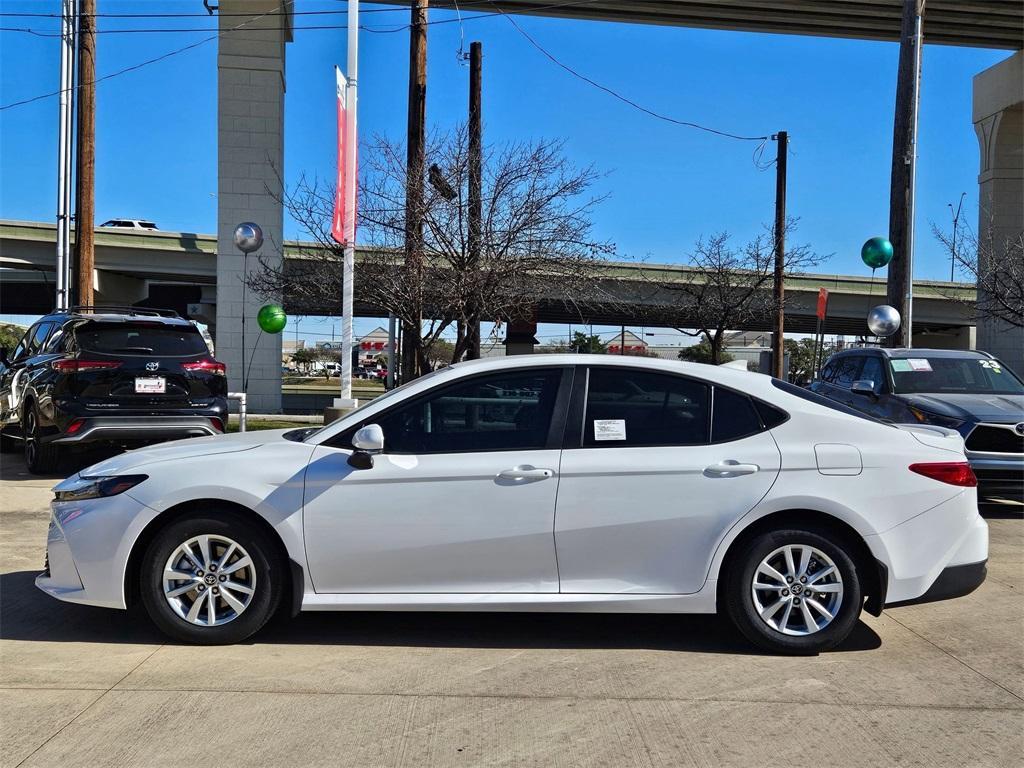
[797, 590]
[209, 580]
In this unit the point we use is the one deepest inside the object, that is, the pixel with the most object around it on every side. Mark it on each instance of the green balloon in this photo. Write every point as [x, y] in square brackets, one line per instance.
[272, 318]
[877, 252]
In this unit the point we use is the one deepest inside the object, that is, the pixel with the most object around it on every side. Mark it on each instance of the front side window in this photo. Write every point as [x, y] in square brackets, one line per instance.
[509, 411]
[847, 369]
[872, 371]
[630, 407]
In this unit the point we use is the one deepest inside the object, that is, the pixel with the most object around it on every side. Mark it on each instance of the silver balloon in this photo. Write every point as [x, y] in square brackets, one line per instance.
[884, 320]
[248, 237]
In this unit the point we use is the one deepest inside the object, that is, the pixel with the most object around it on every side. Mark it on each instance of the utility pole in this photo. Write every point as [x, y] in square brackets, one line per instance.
[417, 121]
[778, 347]
[476, 206]
[900, 285]
[85, 152]
[65, 120]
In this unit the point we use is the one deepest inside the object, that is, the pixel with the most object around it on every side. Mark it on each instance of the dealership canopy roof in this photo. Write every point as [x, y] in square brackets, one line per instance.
[974, 23]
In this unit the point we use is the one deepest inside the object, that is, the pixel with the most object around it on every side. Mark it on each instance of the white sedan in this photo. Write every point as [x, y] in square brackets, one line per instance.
[535, 483]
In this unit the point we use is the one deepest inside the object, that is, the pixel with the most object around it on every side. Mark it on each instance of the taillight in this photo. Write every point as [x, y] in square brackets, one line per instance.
[217, 424]
[206, 366]
[952, 472]
[74, 427]
[74, 365]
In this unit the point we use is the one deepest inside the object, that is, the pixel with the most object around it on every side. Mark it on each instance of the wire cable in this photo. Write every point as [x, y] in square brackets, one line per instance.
[619, 96]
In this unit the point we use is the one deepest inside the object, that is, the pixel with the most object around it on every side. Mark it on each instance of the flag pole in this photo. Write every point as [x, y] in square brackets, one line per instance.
[350, 146]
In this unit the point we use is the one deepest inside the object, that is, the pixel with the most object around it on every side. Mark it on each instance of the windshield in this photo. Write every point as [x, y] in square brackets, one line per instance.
[376, 401]
[967, 375]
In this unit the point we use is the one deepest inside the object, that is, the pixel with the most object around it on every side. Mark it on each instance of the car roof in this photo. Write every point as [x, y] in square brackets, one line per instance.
[901, 353]
[117, 317]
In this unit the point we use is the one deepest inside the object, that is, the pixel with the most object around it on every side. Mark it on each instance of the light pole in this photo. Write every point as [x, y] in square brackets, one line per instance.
[248, 239]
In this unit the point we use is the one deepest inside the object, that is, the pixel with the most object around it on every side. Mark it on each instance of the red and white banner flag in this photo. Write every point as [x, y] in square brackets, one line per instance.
[338, 222]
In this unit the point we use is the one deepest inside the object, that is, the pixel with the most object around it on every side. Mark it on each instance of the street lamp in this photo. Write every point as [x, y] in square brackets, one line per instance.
[248, 239]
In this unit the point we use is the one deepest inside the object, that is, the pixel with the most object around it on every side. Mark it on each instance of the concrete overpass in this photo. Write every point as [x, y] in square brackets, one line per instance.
[178, 269]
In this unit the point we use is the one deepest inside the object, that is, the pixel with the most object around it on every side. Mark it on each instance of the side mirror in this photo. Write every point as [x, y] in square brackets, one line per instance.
[864, 387]
[369, 440]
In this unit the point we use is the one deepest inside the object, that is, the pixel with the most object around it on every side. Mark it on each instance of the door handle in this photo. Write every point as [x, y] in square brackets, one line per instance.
[730, 468]
[526, 472]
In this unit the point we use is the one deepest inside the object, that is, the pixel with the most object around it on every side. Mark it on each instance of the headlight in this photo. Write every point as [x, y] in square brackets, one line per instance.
[97, 487]
[933, 418]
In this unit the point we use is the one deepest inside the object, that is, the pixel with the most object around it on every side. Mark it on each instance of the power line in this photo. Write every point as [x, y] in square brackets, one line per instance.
[616, 94]
[132, 67]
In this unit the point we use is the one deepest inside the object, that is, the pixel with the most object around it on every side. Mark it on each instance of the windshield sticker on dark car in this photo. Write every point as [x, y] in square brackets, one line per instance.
[992, 365]
[900, 366]
[919, 364]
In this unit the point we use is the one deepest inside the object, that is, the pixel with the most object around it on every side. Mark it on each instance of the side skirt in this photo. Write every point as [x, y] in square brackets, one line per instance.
[699, 602]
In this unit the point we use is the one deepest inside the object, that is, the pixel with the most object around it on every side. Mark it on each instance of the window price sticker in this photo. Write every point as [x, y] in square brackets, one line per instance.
[919, 364]
[991, 365]
[609, 429]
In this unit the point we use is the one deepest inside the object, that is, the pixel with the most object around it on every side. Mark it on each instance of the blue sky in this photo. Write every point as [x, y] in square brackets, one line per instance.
[156, 127]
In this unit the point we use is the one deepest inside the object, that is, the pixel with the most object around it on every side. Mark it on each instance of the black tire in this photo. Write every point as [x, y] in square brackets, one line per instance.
[270, 569]
[739, 600]
[40, 458]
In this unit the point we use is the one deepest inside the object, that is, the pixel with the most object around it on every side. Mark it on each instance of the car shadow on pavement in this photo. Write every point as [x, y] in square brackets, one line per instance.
[28, 614]
[13, 469]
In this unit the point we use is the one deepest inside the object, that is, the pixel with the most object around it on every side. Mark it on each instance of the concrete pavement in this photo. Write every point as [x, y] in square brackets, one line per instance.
[934, 685]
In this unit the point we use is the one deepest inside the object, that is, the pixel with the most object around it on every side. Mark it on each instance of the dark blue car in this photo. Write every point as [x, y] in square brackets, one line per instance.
[971, 392]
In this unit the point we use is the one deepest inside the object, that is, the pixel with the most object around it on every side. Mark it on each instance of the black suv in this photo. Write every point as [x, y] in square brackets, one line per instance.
[971, 392]
[116, 375]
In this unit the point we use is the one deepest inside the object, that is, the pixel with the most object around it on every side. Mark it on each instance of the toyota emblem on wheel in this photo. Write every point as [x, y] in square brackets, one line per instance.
[154, 366]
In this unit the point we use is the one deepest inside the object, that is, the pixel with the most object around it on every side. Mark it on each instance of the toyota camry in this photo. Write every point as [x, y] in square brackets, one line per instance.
[535, 483]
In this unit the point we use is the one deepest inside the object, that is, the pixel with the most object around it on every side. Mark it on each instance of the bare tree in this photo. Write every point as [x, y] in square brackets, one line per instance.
[726, 287]
[995, 265]
[536, 243]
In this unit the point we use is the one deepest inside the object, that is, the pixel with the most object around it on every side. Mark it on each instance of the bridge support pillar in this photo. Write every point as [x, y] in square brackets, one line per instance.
[250, 169]
[999, 123]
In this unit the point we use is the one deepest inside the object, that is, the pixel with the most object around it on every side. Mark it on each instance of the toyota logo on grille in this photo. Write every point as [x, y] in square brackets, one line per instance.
[1019, 429]
[152, 366]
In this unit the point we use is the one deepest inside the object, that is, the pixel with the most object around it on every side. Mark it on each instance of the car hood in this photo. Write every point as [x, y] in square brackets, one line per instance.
[975, 407]
[182, 449]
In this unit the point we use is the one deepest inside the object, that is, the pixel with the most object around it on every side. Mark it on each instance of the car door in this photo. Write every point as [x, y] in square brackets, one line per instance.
[651, 479]
[461, 500]
[17, 377]
[883, 405]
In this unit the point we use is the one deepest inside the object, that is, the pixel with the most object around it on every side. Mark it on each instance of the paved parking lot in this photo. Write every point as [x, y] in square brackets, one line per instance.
[936, 685]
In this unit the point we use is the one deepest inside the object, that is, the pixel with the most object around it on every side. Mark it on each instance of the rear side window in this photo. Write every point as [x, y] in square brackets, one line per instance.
[141, 339]
[628, 407]
[734, 417]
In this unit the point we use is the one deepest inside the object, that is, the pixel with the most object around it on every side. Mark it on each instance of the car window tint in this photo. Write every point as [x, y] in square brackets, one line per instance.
[828, 372]
[56, 340]
[508, 411]
[141, 339]
[846, 370]
[629, 407]
[954, 375]
[770, 415]
[39, 334]
[734, 416]
[872, 371]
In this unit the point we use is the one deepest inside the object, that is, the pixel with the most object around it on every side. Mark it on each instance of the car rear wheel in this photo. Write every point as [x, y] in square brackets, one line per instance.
[211, 579]
[40, 458]
[794, 591]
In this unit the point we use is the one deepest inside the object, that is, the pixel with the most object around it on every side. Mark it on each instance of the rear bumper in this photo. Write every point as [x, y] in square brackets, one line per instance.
[954, 581]
[998, 478]
[138, 429]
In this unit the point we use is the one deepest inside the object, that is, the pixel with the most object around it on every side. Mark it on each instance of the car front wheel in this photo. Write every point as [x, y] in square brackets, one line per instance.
[794, 591]
[211, 579]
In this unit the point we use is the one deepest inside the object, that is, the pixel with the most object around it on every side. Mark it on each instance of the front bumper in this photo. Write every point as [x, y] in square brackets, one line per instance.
[999, 479]
[139, 429]
[87, 549]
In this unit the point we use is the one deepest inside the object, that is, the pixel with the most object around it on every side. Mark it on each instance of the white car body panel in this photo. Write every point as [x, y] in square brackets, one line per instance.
[647, 520]
[388, 530]
[612, 529]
